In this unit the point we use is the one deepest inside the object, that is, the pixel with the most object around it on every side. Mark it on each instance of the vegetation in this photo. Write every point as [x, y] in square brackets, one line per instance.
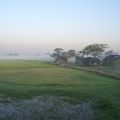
[24, 79]
[109, 60]
[117, 63]
[94, 50]
[59, 53]
[91, 55]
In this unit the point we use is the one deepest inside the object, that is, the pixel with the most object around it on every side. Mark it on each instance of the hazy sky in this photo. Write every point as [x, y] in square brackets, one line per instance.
[34, 26]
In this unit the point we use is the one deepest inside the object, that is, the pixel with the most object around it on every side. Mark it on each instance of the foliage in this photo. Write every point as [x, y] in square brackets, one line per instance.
[109, 60]
[57, 53]
[58, 50]
[94, 50]
[116, 63]
[71, 53]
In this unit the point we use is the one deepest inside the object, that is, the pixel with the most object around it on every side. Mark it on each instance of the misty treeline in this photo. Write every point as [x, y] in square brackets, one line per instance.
[90, 55]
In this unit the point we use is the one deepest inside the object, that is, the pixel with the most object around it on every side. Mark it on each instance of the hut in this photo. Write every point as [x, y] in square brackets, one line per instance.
[61, 60]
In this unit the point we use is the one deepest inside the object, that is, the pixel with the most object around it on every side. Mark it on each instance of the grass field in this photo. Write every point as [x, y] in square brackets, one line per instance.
[23, 79]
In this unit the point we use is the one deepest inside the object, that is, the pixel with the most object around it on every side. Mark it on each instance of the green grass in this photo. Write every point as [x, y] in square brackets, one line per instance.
[27, 78]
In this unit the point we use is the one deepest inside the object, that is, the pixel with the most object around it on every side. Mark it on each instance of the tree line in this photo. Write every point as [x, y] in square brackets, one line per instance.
[91, 54]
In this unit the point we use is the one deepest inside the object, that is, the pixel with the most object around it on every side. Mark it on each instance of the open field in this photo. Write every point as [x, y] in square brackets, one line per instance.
[25, 79]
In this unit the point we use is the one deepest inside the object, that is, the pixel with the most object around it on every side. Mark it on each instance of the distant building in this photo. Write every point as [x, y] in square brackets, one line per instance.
[61, 60]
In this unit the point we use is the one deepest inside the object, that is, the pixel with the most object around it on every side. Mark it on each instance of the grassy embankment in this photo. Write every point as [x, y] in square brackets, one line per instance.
[113, 70]
[25, 79]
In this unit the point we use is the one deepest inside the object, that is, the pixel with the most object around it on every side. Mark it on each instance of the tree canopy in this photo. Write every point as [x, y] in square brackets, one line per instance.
[94, 50]
[57, 53]
[71, 53]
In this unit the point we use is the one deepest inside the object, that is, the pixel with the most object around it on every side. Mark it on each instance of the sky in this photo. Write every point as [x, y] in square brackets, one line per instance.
[40, 26]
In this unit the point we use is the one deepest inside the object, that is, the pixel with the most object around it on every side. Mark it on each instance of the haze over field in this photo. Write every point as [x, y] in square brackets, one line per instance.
[39, 26]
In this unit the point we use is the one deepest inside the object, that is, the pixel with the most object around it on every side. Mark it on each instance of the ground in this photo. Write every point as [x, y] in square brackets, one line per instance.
[22, 80]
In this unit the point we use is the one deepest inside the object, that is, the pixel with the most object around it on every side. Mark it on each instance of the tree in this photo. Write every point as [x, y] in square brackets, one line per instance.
[57, 53]
[94, 50]
[110, 59]
[71, 53]
[58, 50]
[60, 56]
